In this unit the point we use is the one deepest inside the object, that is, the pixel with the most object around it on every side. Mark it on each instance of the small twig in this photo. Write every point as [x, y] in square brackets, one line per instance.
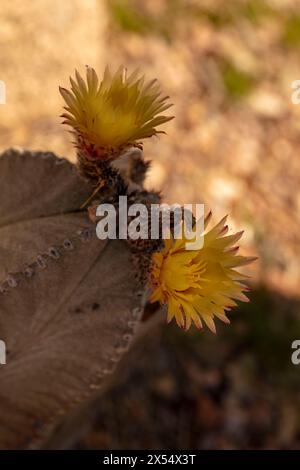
[100, 185]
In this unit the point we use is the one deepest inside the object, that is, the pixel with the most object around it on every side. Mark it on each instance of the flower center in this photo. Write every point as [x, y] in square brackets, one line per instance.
[178, 273]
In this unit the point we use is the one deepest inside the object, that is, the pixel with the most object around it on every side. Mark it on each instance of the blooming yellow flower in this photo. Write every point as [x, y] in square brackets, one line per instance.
[199, 284]
[116, 112]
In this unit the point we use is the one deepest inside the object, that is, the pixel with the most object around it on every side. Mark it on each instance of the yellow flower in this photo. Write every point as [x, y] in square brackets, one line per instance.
[199, 284]
[116, 112]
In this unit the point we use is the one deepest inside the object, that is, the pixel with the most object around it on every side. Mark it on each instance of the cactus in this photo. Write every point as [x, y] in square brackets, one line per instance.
[70, 304]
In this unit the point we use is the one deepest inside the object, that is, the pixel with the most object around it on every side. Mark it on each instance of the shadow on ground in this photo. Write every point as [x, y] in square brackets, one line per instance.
[236, 390]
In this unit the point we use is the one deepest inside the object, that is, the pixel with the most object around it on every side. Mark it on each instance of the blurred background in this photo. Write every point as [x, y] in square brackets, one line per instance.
[234, 145]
